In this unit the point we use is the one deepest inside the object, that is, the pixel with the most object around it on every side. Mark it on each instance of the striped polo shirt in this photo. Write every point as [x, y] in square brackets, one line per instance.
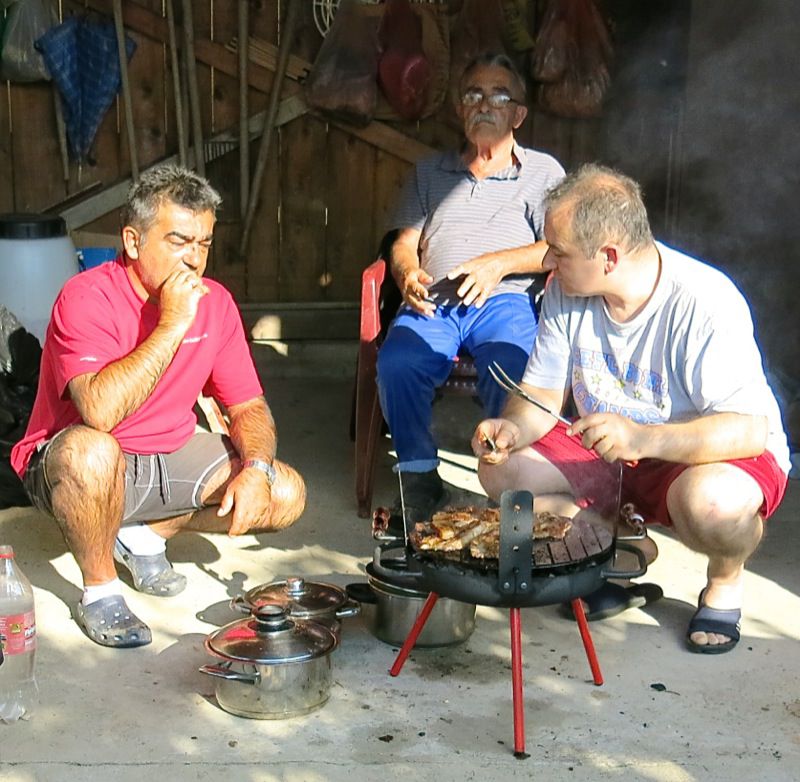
[461, 217]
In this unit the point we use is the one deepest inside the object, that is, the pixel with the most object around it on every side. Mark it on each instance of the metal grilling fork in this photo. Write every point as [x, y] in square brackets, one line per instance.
[504, 381]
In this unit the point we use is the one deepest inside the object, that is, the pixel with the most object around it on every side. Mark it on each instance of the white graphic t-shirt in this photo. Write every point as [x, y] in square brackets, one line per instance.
[690, 352]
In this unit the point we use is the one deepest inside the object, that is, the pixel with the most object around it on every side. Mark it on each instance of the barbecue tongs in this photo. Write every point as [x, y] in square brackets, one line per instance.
[505, 382]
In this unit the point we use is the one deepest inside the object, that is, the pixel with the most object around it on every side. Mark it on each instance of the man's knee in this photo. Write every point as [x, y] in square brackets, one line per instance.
[709, 497]
[393, 358]
[405, 355]
[288, 497]
[84, 455]
[496, 478]
[716, 511]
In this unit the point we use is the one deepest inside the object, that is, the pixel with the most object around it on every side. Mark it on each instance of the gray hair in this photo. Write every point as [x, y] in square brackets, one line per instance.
[169, 183]
[606, 206]
[496, 60]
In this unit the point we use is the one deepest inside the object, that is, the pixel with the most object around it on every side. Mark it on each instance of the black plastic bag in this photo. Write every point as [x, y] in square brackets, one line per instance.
[20, 357]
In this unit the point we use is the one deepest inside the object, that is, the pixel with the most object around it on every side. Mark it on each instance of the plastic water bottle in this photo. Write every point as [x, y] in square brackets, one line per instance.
[18, 690]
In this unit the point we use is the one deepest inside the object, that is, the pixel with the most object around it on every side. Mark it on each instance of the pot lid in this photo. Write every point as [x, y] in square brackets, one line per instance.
[269, 637]
[300, 598]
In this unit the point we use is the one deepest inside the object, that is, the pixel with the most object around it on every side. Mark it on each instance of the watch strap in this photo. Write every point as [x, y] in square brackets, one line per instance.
[265, 467]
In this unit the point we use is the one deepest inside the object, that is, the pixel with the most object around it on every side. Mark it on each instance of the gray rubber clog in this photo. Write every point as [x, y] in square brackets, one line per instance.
[109, 622]
[152, 574]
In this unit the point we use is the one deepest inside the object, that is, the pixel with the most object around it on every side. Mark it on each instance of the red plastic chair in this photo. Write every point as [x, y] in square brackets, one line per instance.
[380, 299]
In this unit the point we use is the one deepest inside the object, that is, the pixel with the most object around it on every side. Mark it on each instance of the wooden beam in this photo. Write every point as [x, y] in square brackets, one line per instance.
[385, 137]
[265, 54]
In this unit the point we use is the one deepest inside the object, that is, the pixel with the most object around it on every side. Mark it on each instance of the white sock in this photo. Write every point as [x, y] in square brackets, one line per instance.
[95, 592]
[140, 539]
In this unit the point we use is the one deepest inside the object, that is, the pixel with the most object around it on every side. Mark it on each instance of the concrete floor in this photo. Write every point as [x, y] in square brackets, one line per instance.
[132, 714]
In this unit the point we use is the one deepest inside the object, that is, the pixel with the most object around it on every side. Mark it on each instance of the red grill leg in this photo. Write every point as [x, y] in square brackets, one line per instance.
[413, 634]
[586, 637]
[516, 683]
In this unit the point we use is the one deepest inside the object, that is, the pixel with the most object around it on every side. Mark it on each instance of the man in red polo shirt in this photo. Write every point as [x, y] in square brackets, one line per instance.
[111, 450]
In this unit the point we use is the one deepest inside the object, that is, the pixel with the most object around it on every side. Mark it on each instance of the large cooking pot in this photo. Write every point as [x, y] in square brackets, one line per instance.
[310, 600]
[519, 577]
[273, 666]
[389, 611]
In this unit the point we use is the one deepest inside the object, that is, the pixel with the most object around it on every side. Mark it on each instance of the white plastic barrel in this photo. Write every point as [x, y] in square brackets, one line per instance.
[36, 258]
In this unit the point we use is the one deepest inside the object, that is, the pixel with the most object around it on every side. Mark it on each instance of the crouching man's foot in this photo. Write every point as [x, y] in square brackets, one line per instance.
[151, 573]
[109, 622]
[715, 629]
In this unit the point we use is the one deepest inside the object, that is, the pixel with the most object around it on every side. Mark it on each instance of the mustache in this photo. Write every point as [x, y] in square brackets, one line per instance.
[480, 119]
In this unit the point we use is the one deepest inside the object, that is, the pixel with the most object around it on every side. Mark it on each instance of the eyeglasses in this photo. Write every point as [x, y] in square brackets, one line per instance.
[498, 100]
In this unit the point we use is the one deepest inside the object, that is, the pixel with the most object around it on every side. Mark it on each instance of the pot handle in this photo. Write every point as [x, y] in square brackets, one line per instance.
[350, 608]
[224, 672]
[642, 569]
[238, 604]
[392, 576]
[361, 592]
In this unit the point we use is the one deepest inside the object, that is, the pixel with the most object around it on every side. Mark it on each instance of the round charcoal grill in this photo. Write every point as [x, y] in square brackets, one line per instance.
[528, 572]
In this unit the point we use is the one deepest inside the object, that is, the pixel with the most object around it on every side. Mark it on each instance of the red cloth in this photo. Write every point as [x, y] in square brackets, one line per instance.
[98, 319]
[594, 481]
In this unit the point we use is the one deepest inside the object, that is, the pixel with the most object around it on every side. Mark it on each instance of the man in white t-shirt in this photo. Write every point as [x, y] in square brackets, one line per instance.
[658, 352]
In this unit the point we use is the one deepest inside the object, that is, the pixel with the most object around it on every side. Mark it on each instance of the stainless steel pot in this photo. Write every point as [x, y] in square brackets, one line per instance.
[273, 666]
[389, 612]
[312, 600]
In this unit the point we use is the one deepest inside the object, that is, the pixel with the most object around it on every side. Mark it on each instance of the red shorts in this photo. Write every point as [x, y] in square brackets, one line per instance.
[594, 481]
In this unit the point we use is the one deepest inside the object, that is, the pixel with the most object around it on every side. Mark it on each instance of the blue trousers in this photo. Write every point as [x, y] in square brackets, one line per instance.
[417, 356]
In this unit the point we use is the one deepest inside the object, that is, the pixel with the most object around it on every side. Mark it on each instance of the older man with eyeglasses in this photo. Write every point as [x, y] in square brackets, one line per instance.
[468, 248]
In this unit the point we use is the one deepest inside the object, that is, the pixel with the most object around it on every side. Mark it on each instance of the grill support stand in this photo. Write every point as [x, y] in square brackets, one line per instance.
[413, 634]
[516, 683]
[586, 637]
[516, 658]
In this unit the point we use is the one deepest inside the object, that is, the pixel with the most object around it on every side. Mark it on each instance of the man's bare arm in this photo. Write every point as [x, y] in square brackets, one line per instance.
[252, 430]
[411, 279]
[533, 423]
[703, 440]
[711, 438]
[519, 425]
[107, 397]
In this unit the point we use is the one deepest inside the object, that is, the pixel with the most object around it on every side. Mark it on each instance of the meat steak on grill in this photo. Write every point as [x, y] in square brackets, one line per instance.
[478, 530]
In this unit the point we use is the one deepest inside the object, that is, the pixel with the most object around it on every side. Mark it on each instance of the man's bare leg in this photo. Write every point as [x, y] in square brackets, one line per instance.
[714, 509]
[86, 470]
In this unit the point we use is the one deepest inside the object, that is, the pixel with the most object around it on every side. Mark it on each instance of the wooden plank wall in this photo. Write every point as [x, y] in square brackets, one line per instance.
[326, 193]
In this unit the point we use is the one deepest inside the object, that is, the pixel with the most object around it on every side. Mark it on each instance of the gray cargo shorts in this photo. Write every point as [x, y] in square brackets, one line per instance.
[157, 486]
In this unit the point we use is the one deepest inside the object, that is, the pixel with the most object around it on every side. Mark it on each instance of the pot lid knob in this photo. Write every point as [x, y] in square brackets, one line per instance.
[271, 618]
[270, 637]
[295, 585]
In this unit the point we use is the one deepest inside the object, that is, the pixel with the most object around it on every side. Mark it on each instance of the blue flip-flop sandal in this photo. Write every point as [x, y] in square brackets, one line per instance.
[724, 621]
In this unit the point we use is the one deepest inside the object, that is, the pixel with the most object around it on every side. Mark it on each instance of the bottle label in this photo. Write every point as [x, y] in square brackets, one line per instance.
[19, 633]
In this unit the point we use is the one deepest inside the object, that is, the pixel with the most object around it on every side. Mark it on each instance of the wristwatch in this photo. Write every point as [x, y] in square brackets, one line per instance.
[265, 467]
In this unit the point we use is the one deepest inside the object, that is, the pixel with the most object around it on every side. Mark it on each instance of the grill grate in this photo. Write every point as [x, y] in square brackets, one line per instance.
[583, 545]
[583, 541]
